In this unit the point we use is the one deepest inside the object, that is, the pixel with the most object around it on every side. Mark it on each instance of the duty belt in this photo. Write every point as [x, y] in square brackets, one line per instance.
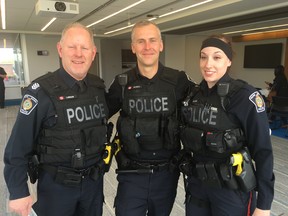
[142, 168]
[72, 177]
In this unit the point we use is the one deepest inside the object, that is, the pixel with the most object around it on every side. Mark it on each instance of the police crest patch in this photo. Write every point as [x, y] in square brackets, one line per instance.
[258, 101]
[28, 104]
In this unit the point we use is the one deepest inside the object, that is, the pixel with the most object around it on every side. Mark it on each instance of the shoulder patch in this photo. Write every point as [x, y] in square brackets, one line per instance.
[28, 104]
[258, 101]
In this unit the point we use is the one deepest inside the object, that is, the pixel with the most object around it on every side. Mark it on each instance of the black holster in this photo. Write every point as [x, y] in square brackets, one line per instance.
[122, 160]
[33, 168]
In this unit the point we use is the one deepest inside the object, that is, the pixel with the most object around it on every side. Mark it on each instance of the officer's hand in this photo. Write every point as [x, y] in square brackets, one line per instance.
[21, 206]
[260, 212]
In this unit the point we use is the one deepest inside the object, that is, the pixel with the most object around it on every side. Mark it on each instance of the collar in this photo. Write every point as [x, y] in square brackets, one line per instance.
[141, 77]
[69, 80]
[204, 85]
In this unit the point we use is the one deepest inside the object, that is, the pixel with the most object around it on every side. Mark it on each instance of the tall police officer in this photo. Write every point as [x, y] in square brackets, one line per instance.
[61, 129]
[225, 119]
[149, 97]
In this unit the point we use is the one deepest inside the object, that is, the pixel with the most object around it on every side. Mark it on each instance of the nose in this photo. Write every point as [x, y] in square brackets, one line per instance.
[208, 62]
[147, 45]
[78, 51]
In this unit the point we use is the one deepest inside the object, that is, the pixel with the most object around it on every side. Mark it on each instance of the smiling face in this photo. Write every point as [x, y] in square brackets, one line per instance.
[77, 51]
[147, 45]
[213, 64]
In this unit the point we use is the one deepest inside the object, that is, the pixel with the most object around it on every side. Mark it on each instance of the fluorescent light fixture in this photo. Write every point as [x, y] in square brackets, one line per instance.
[3, 14]
[119, 29]
[185, 8]
[255, 29]
[163, 15]
[49, 23]
[120, 11]
[263, 32]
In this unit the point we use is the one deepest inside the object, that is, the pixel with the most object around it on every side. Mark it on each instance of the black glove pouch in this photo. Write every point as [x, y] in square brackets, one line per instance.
[214, 142]
[172, 139]
[127, 136]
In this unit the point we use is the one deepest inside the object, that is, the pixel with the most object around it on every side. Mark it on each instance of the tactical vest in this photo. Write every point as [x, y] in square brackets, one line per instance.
[148, 119]
[79, 134]
[209, 129]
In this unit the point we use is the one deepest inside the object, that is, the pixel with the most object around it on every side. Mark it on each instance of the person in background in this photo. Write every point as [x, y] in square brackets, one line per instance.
[279, 87]
[3, 75]
[148, 98]
[59, 136]
[225, 128]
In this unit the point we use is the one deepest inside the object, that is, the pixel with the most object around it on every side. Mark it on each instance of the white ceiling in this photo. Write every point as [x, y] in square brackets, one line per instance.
[217, 16]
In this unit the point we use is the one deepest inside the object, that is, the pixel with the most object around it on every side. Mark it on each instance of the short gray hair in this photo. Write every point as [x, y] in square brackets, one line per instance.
[77, 25]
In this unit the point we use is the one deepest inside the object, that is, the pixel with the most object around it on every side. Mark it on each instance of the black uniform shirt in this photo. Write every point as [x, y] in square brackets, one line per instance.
[114, 101]
[250, 111]
[38, 112]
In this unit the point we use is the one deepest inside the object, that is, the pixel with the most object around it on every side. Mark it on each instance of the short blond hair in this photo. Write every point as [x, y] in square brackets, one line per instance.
[144, 23]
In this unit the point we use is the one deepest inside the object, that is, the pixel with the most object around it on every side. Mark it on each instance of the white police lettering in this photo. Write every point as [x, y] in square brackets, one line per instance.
[144, 105]
[85, 113]
[202, 116]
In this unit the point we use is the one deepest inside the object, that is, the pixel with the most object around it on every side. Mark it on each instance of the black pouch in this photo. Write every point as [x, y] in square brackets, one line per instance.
[214, 142]
[192, 138]
[96, 172]
[230, 140]
[226, 172]
[172, 139]
[201, 171]
[127, 136]
[94, 139]
[67, 177]
[213, 179]
[149, 133]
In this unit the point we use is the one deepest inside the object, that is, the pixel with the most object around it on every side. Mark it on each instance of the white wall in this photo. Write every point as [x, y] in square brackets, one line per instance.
[40, 65]
[179, 52]
[111, 59]
[174, 52]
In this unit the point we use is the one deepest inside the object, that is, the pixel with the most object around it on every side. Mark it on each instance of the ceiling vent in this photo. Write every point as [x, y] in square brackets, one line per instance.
[59, 9]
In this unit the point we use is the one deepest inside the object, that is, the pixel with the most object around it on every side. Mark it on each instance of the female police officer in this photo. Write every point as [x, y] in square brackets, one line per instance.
[224, 120]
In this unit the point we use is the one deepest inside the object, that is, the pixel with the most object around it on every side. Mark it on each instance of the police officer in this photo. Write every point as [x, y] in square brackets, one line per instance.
[3, 75]
[61, 129]
[225, 125]
[149, 97]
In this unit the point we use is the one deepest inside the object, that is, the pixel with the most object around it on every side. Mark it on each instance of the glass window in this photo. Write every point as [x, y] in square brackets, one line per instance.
[11, 59]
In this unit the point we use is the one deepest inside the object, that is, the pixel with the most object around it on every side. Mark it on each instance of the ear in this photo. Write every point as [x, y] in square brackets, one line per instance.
[94, 52]
[59, 49]
[161, 46]
[132, 48]
[229, 63]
